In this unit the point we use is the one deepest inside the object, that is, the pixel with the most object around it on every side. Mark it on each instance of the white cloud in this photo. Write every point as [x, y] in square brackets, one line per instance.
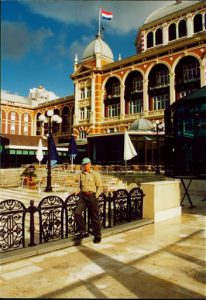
[17, 40]
[78, 46]
[128, 15]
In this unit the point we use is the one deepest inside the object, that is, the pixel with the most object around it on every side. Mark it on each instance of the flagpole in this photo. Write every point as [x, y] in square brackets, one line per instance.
[99, 20]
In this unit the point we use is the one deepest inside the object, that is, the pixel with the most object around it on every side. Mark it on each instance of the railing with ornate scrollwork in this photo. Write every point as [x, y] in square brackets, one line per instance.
[55, 218]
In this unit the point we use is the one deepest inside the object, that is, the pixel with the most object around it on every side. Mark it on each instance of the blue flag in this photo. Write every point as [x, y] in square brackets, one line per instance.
[72, 148]
[53, 154]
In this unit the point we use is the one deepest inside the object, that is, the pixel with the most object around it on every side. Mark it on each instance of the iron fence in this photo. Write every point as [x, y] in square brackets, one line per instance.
[53, 218]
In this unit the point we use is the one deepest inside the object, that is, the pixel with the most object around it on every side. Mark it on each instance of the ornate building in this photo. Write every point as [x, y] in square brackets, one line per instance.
[110, 96]
[20, 128]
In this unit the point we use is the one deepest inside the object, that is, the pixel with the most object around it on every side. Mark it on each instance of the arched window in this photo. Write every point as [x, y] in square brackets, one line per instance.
[38, 125]
[182, 28]
[55, 125]
[172, 32]
[158, 36]
[65, 119]
[150, 42]
[197, 23]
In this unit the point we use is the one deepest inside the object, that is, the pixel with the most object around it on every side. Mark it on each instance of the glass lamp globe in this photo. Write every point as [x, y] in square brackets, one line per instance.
[50, 113]
[59, 120]
[55, 118]
[42, 118]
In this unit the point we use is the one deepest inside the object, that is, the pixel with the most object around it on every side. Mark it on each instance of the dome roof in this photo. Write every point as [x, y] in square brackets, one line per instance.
[98, 46]
[141, 125]
[165, 11]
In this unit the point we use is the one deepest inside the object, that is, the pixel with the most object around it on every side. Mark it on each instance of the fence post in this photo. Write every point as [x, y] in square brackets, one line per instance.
[110, 209]
[32, 209]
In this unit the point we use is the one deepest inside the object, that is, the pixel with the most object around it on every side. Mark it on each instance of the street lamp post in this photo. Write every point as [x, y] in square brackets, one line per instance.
[158, 127]
[49, 118]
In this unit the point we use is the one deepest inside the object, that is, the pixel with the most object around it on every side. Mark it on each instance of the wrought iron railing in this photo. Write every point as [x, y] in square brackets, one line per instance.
[53, 218]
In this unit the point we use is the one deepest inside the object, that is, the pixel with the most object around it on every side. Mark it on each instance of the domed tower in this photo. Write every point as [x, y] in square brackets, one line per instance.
[95, 55]
[99, 51]
[87, 80]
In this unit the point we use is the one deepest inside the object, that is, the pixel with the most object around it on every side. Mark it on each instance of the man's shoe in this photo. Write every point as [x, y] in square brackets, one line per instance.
[81, 236]
[97, 239]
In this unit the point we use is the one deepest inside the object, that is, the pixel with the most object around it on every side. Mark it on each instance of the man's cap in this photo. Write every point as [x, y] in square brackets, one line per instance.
[86, 160]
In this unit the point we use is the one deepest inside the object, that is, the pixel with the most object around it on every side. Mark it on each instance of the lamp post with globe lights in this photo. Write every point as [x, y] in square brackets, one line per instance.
[158, 127]
[49, 118]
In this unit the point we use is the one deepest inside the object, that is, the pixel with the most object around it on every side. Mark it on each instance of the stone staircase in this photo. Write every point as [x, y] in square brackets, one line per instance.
[62, 180]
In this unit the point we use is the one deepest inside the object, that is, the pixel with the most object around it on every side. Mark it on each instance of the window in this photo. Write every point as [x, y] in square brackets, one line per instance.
[81, 113]
[114, 110]
[88, 92]
[198, 23]
[161, 101]
[26, 117]
[202, 127]
[172, 32]
[182, 28]
[115, 89]
[84, 113]
[188, 127]
[162, 77]
[26, 129]
[150, 42]
[137, 84]
[191, 72]
[135, 106]
[158, 36]
[82, 96]
[13, 116]
[12, 128]
[82, 135]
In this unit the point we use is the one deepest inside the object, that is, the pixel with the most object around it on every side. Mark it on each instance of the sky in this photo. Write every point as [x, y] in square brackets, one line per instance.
[40, 38]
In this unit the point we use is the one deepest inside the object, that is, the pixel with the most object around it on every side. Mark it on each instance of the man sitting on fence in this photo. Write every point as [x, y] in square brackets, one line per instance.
[90, 189]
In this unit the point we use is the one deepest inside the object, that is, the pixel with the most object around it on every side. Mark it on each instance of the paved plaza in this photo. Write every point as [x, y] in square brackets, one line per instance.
[165, 260]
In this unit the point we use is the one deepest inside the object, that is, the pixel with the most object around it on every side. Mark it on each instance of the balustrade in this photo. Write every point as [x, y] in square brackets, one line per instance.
[56, 217]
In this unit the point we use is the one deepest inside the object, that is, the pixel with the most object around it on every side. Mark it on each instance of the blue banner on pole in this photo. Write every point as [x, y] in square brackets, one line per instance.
[54, 154]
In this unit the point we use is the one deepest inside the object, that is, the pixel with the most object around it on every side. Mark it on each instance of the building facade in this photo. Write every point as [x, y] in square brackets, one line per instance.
[110, 96]
[170, 63]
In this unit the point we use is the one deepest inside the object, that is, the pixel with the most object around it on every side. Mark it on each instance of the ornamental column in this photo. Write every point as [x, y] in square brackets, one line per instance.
[190, 30]
[122, 101]
[145, 95]
[172, 87]
[92, 114]
[76, 102]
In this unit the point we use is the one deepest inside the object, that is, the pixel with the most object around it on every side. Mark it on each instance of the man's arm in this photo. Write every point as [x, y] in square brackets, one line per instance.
[98, 182]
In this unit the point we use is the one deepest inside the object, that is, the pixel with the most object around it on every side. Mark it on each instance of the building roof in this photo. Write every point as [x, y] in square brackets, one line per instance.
[170, 9]
[98, 46]
[141, 125]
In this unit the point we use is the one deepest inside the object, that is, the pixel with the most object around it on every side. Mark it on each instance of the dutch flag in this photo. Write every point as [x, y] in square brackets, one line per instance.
[106, 14]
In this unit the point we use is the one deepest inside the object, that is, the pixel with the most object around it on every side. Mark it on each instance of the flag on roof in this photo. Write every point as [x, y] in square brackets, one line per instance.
[106, 14]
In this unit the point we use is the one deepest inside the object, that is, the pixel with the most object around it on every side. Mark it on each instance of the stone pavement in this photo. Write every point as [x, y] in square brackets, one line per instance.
[165, 260]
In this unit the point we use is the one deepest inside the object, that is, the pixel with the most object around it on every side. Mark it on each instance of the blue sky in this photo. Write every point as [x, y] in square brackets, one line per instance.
[41, 37]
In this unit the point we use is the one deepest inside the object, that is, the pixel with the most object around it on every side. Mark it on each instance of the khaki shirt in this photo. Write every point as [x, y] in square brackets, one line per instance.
[91, 182]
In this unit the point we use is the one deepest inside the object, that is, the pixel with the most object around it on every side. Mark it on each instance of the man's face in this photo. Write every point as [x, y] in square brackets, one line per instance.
[86, 167]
